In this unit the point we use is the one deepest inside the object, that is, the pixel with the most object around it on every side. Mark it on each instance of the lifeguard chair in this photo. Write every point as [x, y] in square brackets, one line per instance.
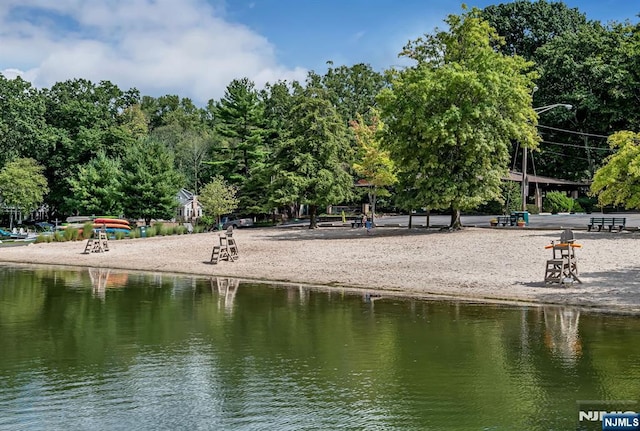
[563, 267]
[98, 244]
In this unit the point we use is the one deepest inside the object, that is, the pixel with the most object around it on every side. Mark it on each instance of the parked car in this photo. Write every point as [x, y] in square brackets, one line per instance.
[235, 222]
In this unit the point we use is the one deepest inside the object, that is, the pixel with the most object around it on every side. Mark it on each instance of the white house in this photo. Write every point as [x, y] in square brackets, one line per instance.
[189, 208]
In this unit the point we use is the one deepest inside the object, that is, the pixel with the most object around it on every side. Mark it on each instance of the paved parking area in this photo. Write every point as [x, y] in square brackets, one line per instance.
[540, 221]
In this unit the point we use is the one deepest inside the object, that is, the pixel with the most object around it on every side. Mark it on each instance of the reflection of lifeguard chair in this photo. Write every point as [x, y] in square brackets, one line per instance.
[562, 334]
[563, 267]
[99, 278]
[227, 289]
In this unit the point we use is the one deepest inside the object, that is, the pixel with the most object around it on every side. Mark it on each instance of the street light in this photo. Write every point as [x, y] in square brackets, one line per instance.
[525, 185]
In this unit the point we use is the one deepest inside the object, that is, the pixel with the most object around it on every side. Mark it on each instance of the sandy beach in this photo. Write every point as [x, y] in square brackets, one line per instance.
[474, 263]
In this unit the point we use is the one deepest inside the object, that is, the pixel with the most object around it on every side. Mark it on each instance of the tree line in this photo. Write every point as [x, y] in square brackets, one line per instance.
[439, 134]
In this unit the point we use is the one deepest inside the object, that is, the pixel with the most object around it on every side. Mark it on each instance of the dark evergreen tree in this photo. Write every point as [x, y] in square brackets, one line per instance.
[239, 123]
[311, 160]
[150, 183]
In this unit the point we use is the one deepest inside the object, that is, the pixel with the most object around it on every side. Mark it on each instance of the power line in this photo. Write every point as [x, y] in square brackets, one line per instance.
[573, 131]
[564, 155]
[577, 146]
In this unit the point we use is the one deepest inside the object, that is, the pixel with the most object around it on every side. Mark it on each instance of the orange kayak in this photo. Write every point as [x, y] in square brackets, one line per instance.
[111, 221]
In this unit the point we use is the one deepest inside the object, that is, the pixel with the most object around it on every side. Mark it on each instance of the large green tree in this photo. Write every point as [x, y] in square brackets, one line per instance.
[87, 118]
[352, 89]
[451, 118]
[150, 183]
[527, 25]
[373, 162]
[96, 189]
[23, 128]
[239, 121]
[22, 186]
[218, 198]
[596, 70]
[618, 181]
[311, 161]
[192, 149]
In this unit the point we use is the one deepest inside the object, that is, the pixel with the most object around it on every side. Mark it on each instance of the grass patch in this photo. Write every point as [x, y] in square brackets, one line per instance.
[87, 230]
[44, 238]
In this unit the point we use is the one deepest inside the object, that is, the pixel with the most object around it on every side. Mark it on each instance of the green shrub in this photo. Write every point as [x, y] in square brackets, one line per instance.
[164, 230]
[179, 230]
[87, 230]
[58, 236]
[510, 200]
[556, 202]
[512, 197]
[159, 228]
[151, 231]
[134, 233]
[533, 209]
[588, 204]
[71, 234]
[120, 235]
[43, 238]
[198, 228]
[207, 222]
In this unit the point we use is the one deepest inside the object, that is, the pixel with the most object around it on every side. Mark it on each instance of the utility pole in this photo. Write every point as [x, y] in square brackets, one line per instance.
[525, 181]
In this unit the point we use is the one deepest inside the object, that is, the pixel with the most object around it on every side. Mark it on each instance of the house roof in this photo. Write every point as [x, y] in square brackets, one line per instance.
[517, 177]
[363, 183]
[185, 197]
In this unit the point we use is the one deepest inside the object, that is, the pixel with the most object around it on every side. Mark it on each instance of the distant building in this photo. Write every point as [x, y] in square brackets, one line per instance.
[538, 186]
[189, 208]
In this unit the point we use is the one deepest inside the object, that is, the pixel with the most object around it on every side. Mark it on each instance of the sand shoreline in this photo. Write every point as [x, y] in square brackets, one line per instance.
[478, 265]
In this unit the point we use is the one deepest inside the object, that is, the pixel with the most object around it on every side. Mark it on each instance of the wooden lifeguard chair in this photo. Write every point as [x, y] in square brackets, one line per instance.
[227, 249]
[563, 267]
[99, 244]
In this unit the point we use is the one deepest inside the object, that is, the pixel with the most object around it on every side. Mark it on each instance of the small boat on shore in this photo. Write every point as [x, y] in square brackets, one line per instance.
[30, 239]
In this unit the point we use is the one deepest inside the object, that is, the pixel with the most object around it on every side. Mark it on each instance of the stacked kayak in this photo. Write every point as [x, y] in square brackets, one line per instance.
[112, 225]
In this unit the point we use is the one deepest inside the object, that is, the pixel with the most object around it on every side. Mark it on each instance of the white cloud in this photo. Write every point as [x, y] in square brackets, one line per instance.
[158, 46]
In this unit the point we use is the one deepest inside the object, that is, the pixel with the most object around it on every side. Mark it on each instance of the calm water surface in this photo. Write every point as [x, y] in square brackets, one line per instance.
[105, 350]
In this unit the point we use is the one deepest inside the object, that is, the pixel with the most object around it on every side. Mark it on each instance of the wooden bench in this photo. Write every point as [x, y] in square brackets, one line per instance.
[609, 222]
[504, 220]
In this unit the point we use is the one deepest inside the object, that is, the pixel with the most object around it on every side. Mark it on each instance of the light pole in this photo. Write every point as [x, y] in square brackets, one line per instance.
[525, 183]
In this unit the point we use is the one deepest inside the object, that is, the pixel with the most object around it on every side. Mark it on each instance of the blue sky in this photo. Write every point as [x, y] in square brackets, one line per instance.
[194, 48]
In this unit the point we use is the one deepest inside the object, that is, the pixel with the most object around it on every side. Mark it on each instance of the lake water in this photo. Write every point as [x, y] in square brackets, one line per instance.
[106, 350]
